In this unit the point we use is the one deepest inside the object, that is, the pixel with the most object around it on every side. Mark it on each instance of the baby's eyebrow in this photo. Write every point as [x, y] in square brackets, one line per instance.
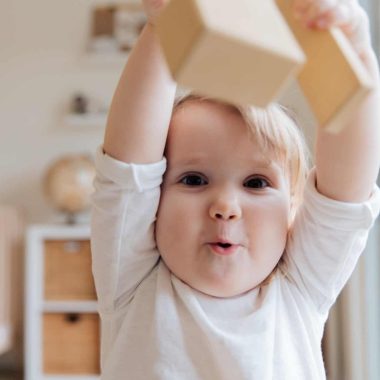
[180, 165]
[191, 161]
[262, 164]
[269, 166]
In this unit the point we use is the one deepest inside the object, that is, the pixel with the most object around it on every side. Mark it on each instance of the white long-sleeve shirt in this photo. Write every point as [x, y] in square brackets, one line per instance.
[154, 326]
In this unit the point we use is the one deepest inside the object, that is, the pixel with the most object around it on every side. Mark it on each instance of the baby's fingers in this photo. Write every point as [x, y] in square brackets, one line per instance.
[342, 15]
[311, 9]
[345, 14]
[324, 13]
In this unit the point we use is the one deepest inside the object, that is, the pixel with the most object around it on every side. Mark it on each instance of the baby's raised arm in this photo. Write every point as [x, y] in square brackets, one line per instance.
[341, 201]
[141, 108]
[127, 192]
[348, 163]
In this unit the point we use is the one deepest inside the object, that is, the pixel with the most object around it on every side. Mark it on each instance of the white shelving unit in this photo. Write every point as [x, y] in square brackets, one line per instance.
[104, 59]
[62, 326]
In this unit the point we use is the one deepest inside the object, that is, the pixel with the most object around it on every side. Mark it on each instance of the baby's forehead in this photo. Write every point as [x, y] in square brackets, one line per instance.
[201, 126]
[203, 156]
[197, 119]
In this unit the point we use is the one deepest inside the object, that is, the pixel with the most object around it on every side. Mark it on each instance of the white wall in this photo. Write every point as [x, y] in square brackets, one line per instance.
[42, 44]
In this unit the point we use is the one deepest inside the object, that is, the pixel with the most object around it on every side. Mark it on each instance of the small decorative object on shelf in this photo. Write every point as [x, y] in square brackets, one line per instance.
[62, 326]
[68, 184]
[85, 111]
[80, 104]
[116, 27]
[84, 104]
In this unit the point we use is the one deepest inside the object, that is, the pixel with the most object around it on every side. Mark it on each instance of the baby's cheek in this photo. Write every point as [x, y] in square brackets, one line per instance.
[272, 220]
[171, 219]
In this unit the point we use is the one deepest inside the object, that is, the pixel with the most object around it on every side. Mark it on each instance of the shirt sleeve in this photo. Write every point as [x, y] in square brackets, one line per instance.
[326, 241]
[124, 206]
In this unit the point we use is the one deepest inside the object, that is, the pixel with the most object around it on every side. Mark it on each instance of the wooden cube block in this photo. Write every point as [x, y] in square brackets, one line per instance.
[240, 51]
[333, 80]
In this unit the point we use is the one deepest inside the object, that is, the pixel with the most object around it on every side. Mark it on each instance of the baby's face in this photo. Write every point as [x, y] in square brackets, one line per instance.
[224, 210]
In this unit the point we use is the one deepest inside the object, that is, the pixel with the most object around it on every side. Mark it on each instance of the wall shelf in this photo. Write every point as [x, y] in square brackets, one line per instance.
[70, 307]
[89, 120]
[105, 59]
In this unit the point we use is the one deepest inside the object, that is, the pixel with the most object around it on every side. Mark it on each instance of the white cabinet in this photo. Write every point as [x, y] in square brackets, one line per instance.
[62, 326]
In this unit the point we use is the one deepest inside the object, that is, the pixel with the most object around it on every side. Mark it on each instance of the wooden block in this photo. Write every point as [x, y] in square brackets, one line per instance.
[334, 80]
[68, 274]
[240, 51]
[71, 344]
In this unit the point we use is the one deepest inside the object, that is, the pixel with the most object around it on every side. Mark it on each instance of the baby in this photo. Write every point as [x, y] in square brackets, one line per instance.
[217, 253]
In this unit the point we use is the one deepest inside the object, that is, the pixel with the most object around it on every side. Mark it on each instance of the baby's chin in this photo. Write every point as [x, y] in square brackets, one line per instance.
[221, 290]
[219, 283]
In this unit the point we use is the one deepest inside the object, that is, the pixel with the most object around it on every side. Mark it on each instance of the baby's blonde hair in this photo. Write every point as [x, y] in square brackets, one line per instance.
[277, 131]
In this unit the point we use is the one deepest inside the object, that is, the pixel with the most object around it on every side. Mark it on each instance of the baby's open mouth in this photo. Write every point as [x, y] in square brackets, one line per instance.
[224, 245]
[223, 248]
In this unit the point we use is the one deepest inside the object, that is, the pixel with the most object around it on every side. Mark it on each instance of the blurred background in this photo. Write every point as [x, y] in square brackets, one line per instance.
[59, 65]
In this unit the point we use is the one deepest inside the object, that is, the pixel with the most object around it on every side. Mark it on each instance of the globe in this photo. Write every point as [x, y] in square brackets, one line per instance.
[68, 184]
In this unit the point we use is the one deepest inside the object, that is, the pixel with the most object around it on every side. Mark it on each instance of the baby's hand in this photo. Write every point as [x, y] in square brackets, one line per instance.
[153, 8]
[348, 15]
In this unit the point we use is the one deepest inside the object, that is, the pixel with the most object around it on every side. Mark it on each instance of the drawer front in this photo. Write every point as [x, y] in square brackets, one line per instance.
[71, 343]
[68, 273]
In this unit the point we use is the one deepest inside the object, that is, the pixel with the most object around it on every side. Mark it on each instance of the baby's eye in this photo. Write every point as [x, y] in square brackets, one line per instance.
[256, 183]
[193, 180]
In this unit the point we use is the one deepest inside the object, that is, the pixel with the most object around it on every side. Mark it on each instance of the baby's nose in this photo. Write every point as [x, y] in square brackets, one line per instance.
[225, 209]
